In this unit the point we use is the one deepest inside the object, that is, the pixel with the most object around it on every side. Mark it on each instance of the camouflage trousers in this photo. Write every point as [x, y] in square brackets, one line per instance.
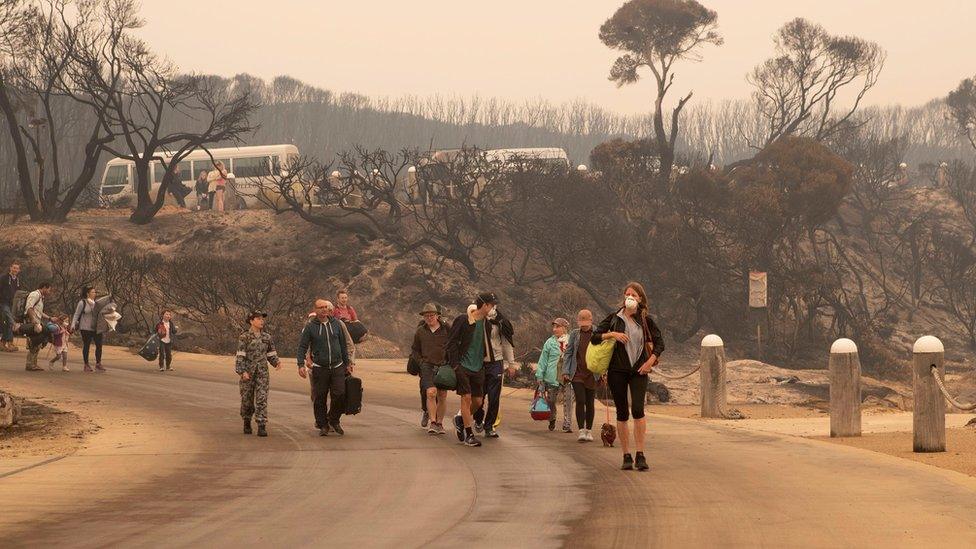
[254, 395]
[32, 353]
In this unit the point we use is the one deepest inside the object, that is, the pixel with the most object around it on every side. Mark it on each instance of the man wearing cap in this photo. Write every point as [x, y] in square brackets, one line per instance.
[501, 353]
[324, 337]
[255, 351]
[428, 350]
[466, 350]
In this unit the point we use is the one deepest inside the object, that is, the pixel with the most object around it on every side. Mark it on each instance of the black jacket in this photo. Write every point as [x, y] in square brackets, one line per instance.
[620, 361]
[8, 289]
[457, 344]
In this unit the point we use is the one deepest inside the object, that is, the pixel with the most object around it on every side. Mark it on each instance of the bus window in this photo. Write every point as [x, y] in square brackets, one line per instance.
[252, 167]
[116, 176]
[206, 165]
[185, 173]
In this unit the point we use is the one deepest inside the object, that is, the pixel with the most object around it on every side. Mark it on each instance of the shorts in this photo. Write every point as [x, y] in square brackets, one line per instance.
[470, 383]
[427, 373]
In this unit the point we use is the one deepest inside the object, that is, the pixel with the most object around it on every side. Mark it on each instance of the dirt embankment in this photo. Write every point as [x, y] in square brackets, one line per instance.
[44, 430]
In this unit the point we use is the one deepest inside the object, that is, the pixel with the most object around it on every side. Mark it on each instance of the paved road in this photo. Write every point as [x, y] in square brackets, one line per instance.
[177, 472]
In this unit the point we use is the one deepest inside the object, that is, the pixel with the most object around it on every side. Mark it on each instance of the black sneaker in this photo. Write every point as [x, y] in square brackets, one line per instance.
[472, 441]
[459, 427]
[479, 426]
[337, 428]
[262, 432]
[324, 432]
[552, 425]
[628, 463]
[491, 433]
[247, 427]
[641, 462]
[424, 419]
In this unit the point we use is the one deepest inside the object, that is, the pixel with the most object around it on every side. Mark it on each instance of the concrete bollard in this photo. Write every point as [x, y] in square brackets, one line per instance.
[712, 377]
[845, 389]
[928, 418]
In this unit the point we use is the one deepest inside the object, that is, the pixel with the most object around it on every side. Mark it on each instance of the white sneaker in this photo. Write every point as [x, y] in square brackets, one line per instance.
[582, 435]
[65, 368]
[589, 435]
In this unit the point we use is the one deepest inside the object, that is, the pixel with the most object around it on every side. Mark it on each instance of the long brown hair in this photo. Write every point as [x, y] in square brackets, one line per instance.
[639, 288]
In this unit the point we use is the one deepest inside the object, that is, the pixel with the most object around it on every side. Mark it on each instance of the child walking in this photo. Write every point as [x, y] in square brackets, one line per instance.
[60, 343]
[166, 331]
[550, 365]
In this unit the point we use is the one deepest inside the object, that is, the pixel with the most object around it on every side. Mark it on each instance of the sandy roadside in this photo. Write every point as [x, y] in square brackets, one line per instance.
[44, 430]
[113, 431]
[960, 454]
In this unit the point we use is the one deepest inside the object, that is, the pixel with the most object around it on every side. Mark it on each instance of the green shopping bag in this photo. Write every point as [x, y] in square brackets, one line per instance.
[445, 379]
[598, 357]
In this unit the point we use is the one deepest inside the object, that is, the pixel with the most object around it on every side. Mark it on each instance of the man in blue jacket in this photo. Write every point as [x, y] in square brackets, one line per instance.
[324, 336]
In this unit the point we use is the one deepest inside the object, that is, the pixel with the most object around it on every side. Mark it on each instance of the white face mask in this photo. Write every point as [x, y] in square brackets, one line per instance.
[630, 302]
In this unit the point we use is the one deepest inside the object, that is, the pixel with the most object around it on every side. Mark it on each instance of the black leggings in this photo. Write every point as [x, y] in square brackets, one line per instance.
[585, 405]
[87, 336]
[620, 382]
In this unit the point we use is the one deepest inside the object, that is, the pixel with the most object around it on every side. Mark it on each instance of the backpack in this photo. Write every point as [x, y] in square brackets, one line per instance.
[413, 366]
[20, 305]
[540, 410]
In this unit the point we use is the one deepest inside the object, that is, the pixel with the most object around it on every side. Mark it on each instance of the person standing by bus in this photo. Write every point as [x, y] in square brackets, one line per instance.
[217, 180]
[201, 189]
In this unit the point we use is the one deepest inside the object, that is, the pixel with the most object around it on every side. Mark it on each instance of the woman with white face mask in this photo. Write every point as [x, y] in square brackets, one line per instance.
[638, 344]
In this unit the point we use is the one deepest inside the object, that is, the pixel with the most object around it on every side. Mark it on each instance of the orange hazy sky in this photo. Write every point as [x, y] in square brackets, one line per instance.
[529, 49]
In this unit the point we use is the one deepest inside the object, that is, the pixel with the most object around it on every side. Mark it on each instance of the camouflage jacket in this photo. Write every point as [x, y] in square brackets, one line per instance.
[255, 350]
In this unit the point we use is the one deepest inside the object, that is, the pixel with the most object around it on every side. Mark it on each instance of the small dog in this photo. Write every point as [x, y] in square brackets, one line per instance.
[608, 433]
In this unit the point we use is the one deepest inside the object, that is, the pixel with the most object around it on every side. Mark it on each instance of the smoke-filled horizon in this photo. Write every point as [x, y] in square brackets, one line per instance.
[547, 49]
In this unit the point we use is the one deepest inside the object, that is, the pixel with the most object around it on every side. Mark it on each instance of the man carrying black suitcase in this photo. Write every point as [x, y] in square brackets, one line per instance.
[326, 340]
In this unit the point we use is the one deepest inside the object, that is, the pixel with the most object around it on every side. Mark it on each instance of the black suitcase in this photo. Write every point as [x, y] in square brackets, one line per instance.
[354, 395]
[356, 331]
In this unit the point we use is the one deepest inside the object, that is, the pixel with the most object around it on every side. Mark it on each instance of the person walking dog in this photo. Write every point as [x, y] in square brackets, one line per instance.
[637, 348]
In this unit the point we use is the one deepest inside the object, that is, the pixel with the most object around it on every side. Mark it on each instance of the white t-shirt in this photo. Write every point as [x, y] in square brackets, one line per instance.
[35, 302]
[165, 338]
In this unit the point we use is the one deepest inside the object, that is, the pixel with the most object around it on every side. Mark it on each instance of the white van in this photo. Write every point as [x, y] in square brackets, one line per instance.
[250, 166]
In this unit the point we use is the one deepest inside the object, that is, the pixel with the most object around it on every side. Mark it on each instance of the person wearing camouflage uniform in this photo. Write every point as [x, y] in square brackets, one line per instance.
[255, 351]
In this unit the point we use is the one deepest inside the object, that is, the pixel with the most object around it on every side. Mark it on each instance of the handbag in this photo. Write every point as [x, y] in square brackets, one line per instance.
[445, 379]
[150, 351]
[539, 410]
[598, 357]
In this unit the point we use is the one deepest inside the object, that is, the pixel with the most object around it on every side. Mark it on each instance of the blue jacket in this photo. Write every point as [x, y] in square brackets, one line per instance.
[548, 367]
[569, 362]
[327, 341]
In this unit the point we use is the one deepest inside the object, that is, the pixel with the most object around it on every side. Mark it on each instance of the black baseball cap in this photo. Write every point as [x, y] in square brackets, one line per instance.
[486, 297]
[254, 314]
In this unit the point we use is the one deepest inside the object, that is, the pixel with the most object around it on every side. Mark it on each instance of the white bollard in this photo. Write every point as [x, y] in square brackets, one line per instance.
[712, 377]
[845, 389]
[928, 417]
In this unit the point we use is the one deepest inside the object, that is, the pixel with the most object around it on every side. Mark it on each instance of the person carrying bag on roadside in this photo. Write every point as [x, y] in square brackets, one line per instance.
[638, 345]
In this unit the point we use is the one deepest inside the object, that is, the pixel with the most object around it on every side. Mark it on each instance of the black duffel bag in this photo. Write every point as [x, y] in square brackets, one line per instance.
[354, 395]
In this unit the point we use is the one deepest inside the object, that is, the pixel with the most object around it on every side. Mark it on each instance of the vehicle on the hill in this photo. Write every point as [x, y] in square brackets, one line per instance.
[437, 171]
[253, 168]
